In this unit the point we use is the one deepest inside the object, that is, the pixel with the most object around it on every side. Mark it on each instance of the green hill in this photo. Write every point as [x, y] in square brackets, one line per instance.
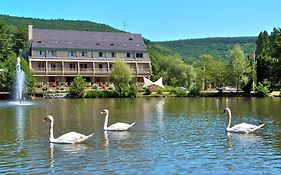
[56, 24]
[219, 47]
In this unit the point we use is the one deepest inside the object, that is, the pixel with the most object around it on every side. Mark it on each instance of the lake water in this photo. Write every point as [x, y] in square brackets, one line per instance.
[171, 136]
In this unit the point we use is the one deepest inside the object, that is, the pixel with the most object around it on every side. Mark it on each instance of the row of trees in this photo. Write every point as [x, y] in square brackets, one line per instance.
[206, 72]
[268, 57]
[12, 42]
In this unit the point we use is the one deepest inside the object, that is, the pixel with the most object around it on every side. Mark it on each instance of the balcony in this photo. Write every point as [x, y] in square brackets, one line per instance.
[70, 71]
[144, 71]
[86, 71]
[101, 71]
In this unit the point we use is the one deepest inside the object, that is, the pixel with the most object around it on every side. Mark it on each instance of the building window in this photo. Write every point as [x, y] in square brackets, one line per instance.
[52, 53]
[53, 66]
[83, 67]
[72, 66]
[40, 52]
[112, 54]
[100, 66]
[41, 66]
[100, 54]
[128, 55]
[72, 54]
[83, 54]
[139, 55]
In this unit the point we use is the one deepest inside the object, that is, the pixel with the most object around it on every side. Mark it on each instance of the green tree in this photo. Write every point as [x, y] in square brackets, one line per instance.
[5, 42]
[19, 39]
[239, 67]
[77, 87]
[121, 73]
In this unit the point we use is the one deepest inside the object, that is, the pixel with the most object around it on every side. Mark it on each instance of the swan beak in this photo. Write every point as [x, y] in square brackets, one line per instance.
[45, 119]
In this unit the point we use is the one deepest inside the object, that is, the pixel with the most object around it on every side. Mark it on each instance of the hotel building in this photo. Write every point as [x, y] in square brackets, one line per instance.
[61, 55]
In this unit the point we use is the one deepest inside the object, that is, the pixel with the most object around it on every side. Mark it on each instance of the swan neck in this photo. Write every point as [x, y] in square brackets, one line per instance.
[229, 119]
[105, 121]
[51, 131]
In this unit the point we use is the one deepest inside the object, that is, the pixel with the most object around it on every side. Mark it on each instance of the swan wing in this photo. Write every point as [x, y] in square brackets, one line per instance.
[71, 137]
[244, 128]
[119, 127]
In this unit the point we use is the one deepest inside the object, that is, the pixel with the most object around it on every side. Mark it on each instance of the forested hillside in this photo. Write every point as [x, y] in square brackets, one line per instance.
[56, 24]
[191, 49]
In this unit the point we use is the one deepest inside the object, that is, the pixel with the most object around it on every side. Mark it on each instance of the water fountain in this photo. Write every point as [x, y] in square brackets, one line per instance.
[20, 82]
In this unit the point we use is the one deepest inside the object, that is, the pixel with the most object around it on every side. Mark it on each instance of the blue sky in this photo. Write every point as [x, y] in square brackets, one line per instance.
[160, 20]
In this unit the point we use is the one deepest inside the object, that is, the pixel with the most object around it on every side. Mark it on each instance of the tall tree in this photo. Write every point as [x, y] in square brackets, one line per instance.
[239, 67]
[5, 42]
[263, 56]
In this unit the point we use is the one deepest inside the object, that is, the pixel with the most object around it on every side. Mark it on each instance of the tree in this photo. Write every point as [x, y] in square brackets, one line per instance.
[121, 75]
[5, 42]
[77, 87]
[239, 67]
[20, 40]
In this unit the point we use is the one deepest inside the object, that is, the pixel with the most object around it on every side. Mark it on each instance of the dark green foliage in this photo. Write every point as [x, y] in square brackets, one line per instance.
[20, 39]
[178, 92]
[194, 92]
[268, 56]
[77, 87]
[147, 91]
[6, 42]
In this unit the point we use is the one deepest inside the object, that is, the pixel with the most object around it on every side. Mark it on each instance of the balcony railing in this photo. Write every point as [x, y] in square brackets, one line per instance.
[101, 71]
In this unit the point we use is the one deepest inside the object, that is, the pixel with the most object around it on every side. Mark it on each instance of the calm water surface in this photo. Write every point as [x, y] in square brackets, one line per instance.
[171, 136]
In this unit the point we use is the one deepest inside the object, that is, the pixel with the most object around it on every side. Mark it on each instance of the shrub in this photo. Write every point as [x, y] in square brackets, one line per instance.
[194, 92]
[262, 89]
[147, 91]
[178, 92]
[159, 91]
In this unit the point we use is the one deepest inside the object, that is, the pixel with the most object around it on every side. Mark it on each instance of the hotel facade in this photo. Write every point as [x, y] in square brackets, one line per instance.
[61, 55]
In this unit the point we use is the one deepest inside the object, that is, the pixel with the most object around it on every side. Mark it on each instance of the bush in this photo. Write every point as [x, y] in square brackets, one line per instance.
[194, 92]
[262, 89]
[160, 91]
[147, 91]
[178, 92]
[125, 90]
[77, 87]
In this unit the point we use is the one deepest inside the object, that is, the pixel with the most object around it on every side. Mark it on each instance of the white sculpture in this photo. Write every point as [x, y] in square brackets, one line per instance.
[148, 82]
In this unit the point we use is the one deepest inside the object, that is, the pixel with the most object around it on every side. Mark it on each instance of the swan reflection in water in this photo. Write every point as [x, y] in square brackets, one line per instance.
[65, 149]
[242, 139]
[115, 136]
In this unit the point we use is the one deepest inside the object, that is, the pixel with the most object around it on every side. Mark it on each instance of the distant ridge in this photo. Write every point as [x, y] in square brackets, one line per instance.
[56, 24]
[218, 47]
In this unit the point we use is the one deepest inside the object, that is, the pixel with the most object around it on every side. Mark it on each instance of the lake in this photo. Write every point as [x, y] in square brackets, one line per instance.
[171, 136]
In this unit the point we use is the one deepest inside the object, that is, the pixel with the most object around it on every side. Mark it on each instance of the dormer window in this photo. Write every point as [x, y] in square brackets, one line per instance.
[111, 44]
[39, 41]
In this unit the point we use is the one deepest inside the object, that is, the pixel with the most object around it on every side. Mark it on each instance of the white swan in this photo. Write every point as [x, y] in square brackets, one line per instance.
[68, 138]
[242, 127]
[117, 126]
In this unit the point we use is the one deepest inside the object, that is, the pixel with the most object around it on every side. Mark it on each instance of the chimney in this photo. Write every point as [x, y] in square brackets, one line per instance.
[30, 32]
